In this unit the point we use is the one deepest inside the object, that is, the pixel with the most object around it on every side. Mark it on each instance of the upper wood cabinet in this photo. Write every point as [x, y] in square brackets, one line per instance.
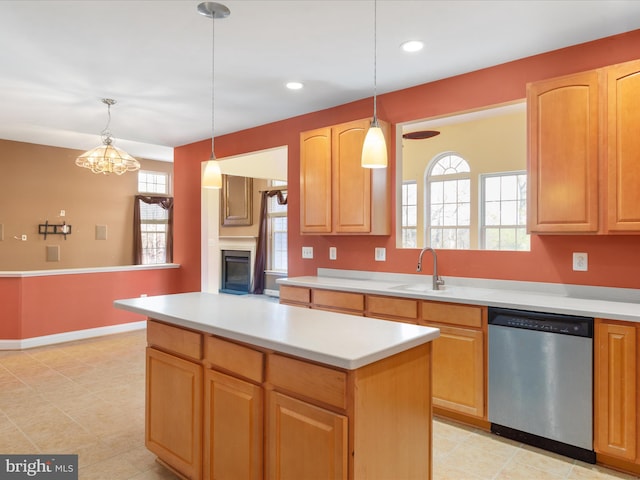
[563, 154]
[623, 147]
[337, 195]
[583, 152]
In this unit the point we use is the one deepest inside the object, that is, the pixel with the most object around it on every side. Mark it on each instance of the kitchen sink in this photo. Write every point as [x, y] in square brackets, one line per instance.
[421, 288]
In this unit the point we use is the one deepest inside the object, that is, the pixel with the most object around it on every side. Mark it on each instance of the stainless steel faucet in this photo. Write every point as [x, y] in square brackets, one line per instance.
[437, 281]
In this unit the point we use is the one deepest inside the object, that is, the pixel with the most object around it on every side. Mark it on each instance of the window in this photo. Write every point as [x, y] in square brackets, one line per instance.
[277, 225]
[153, 220]
[504, 211]
[449, 202]
[409, 214]
[153, 182]
[153, 228]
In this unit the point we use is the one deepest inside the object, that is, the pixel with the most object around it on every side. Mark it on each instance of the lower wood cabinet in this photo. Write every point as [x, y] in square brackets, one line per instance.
[458, 372]
[217, 409]
[174, 412]
[616, 395]
[233, 429]
[459, 357]
[305, 441]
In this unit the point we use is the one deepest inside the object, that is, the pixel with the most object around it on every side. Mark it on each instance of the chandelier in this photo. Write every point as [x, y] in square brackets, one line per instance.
[108, 158]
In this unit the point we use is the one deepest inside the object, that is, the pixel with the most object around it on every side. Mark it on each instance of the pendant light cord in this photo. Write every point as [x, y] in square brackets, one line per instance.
[375, 58]
[213, 80]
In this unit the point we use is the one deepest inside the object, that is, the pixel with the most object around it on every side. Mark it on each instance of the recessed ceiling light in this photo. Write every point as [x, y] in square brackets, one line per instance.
[412, 46]
[294, 85]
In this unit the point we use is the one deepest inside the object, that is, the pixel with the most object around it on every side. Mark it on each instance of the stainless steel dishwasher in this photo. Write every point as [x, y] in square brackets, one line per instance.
[541, 380]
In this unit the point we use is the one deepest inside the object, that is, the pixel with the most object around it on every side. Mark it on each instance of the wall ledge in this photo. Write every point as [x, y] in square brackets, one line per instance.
[80, 271]
[70, 336]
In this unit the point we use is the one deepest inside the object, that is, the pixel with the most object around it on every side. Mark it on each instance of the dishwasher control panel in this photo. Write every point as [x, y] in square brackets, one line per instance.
[542, 322]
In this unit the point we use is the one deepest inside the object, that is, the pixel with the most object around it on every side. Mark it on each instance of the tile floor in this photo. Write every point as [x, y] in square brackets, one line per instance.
[87, 397]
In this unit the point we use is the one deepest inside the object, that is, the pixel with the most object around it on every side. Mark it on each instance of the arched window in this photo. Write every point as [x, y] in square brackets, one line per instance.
[448, 195]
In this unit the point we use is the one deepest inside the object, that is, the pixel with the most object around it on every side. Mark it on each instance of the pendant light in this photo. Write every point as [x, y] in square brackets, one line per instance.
[374, 149]
[108, 158]
[212, 176]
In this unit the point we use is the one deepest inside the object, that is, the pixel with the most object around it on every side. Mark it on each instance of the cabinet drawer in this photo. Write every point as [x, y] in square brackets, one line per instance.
[313, 381]
[338, 300]
[289, 294]
[174, 339]
[465, 315]
[401, 308]
[235, 358]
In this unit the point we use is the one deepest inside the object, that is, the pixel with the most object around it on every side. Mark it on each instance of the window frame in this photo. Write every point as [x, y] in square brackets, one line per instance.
[482, 226]
[429, 179]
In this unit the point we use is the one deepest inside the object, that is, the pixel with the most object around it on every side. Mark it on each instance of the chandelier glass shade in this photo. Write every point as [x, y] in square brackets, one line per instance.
[108, 158]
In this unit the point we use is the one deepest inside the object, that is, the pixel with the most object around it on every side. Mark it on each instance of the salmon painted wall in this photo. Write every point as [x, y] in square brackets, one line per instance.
[45, 305]
[613, 260]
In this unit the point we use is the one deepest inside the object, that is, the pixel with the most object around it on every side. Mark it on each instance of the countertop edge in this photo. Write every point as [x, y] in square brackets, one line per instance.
[490, 297]
[429, 334]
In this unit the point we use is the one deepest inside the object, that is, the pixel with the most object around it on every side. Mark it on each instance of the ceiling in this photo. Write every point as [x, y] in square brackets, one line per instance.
[60, 58]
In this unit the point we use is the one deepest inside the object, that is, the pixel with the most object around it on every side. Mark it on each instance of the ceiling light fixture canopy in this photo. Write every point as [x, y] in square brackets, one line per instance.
[374, 149]
[212, 176]
[108, 158]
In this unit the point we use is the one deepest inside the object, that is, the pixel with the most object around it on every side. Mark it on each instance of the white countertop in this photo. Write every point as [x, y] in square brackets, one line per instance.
[597, 302]
[344, 341]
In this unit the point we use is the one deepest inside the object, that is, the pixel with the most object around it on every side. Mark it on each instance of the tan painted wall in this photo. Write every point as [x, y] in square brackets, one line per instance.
[489, 145]
[37, 182]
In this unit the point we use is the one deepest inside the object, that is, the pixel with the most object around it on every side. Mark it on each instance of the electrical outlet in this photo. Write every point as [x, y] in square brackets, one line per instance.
[23, 238]
[307, 252]
[62, 213]
[381, 254]
[333, 253]
[580, 262]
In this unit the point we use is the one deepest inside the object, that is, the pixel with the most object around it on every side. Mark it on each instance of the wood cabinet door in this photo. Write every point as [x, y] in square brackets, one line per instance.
[615, 390]
[458, 370]
[563, 154]
[174, 412]
[232, 428]
[315, 181]
[351, 182]
[392, 308]
[623, 149]
[305, 441]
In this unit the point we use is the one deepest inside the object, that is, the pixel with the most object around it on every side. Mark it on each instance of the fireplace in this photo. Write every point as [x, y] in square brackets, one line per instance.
[236, 272]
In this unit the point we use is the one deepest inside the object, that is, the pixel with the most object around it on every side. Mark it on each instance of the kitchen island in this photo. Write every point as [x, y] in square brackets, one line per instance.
[242, 387]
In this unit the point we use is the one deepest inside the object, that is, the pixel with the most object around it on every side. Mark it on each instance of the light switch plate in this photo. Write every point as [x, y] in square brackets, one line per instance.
[101, 232]
[580, 262]
[381, 254]
[333, 253]
[307, 252]
[53, 253]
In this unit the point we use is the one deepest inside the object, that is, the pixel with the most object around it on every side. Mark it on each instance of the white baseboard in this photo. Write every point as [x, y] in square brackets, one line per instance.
[70, 336]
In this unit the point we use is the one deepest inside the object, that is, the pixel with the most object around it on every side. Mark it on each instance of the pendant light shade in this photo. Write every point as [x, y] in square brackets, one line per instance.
[108, 158]
[374, 149]
[212, 176]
